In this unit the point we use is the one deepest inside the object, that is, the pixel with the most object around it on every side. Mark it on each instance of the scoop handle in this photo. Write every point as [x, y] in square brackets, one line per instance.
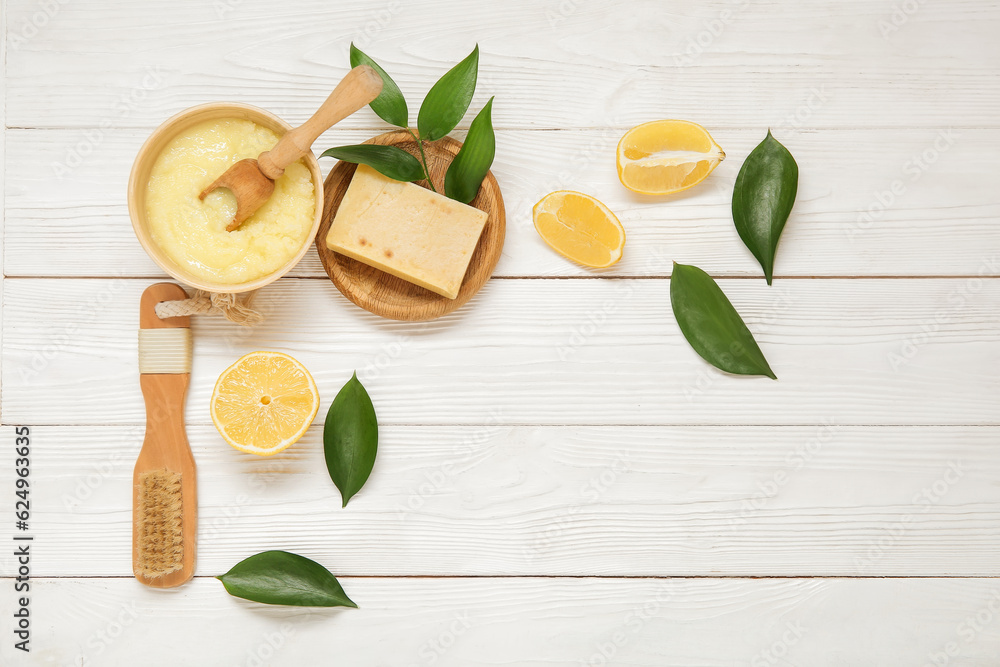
[361, 85]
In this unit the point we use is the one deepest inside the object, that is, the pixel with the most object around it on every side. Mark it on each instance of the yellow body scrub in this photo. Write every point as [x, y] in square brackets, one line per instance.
[193, 232]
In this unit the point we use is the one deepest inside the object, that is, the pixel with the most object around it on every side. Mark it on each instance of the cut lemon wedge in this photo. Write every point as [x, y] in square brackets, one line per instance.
[264, 402]
[580, 228]
[666, 156]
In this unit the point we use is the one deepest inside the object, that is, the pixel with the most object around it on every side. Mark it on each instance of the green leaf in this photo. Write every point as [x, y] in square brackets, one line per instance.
[763, 198]
[449, 99]
[390, 104]
[391, 161]
[279, 577]
[712, 326]
[350, 438]
[468, 169]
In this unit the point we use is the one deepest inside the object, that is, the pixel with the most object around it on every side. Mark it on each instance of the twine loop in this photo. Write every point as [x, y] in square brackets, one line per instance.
[237, 308]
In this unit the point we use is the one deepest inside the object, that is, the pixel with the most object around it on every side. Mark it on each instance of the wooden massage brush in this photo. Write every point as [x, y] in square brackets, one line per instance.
[164, 490]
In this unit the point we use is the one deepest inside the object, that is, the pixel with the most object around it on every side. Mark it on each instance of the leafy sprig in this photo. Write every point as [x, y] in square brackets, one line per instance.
[442, 110]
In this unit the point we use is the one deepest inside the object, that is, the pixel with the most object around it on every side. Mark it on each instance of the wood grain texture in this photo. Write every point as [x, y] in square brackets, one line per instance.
[824, 63]
[384, 294]
[943, 223]
[3, 161]
[651, 463]
[359, 86]
[541, 352]
[495, 499]
[165, 447]
[529, 623]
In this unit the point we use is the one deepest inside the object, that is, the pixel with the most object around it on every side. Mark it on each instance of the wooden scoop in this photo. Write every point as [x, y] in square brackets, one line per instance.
[252, 181]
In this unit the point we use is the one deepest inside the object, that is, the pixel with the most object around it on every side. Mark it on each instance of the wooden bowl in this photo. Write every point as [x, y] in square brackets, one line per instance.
[384, 294]
[143, 165]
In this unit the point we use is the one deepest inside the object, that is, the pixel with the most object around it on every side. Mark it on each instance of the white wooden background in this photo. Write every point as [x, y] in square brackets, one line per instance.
[561, 480]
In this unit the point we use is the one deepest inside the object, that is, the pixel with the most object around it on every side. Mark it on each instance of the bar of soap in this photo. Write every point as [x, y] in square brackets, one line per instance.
[407, 231]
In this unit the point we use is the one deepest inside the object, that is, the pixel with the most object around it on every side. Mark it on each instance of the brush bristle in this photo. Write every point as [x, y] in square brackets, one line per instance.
[158, 524]
[165, 350]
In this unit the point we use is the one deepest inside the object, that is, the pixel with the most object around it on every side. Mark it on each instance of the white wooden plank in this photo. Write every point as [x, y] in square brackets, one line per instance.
[542, 351]
[557, 65]
[559, 501]
[3, 161]
[466, 483]
[525, 622]
[861, 193]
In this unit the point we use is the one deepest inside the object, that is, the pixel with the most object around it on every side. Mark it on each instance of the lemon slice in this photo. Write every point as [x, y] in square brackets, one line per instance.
[580, 228]
[666, 156]
[264, 402]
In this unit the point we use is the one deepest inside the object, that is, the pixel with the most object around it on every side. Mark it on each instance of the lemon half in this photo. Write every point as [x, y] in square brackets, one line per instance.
[264, 402]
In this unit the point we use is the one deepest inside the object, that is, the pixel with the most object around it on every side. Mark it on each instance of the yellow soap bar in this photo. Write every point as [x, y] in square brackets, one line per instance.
[406, 230]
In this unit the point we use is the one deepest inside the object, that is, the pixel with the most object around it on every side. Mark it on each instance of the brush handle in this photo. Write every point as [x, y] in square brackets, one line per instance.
[361, 85]
[165, 445]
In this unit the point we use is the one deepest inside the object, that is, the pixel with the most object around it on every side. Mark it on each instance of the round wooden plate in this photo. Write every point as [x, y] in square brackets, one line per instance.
[387, 295]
